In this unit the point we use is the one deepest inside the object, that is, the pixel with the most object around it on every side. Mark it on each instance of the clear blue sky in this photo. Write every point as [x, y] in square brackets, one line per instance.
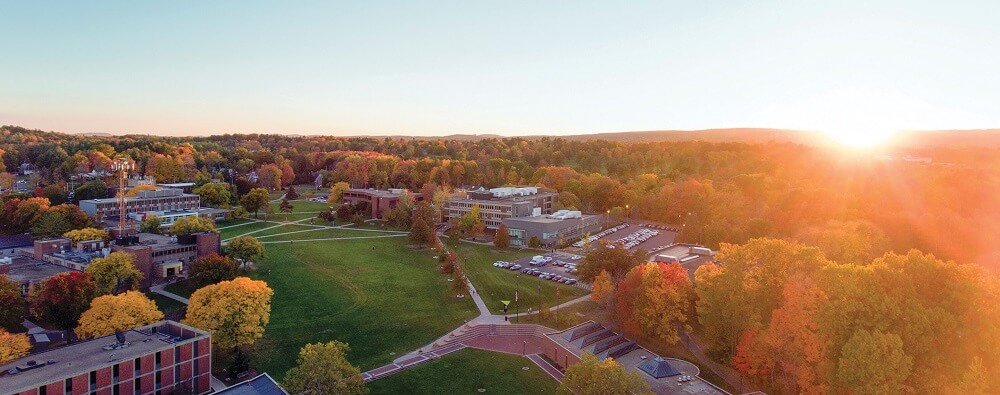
[507, 67]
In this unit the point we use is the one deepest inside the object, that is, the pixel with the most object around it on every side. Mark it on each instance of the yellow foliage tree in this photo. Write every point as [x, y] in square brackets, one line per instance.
[111, 313]
[114, 272]
[86, 234]
[603, 288]
[13, 346]
[592, 376]
[192, 224]
[236, 311]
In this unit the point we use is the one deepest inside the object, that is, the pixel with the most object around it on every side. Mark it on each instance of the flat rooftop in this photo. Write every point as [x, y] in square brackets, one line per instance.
[25, 269]
[545, 219]
[82, 357]
[375, 192]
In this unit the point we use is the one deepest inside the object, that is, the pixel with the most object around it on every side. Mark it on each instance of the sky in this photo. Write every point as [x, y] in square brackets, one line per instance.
[503, 67]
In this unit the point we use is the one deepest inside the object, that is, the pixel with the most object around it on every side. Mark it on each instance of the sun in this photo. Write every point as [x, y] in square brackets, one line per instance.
[859, 138]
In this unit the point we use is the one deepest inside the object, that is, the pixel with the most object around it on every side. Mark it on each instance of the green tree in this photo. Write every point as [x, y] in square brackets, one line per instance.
[502, 238]
[323, 369]
[873, 363]
[192, 224]
[592, 376]
[534, 242]
[115, 273]
[616, 261]
[152, 224]
[244, 249]
[215, 194]
[420, 232]
[286, 207]
[255, 200]
[11, 303]
[96, 189]
[291, 194]
[214, 268]
[55, 194]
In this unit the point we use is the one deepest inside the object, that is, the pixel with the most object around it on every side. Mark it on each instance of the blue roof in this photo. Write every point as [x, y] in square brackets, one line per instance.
[658, 368]
[260, 385]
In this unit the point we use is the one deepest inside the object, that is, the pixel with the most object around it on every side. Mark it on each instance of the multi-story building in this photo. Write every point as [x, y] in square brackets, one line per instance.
[378, 201]
[162, 358]
[498, 204]
[156, 256]
[562, 225]
[163, 199]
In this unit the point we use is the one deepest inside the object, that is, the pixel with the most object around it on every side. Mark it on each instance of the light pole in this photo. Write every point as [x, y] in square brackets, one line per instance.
[122, 166]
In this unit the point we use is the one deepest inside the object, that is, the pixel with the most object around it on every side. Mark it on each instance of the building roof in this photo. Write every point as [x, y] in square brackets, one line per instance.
[24, 269]
[82, 357]
[658, 368]
[16, 241]
[377, 192]
[260, 385]
[546, 219]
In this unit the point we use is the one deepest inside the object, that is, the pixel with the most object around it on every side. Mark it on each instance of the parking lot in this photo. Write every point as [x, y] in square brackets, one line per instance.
[633, 235]
[554, 266]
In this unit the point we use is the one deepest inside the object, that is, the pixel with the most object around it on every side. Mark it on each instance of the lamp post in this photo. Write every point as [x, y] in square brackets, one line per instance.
[121, 166]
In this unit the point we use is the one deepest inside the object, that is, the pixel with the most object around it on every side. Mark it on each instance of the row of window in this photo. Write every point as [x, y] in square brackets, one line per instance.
[137, 381]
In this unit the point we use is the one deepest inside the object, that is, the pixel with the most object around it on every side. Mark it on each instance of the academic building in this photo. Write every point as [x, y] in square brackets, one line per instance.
[163, 199]
[498, 204]
[162, 358]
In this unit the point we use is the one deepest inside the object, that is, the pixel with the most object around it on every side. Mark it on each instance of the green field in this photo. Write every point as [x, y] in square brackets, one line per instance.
[377, 295]
[300, 206]
[183, 288]
[495, 284]
[172, 309]
[465, 372]
[234, 231]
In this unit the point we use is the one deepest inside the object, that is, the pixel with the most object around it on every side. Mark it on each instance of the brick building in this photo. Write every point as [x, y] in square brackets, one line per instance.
[378, 201]
[163, 199]
[165, 357]
[498, 204]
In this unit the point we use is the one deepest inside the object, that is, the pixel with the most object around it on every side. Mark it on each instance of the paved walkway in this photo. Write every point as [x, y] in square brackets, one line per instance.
[546, 366]
[158, 289]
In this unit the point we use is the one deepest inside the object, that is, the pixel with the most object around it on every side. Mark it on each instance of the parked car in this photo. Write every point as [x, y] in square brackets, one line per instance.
[515, 267]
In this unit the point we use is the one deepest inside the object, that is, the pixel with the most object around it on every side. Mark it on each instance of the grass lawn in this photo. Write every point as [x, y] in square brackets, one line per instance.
[494, 284]
[466, 371]
[299, 206]
[172, 309]
[389, 299]
[183, 288]
[327, 234]
[229, 233]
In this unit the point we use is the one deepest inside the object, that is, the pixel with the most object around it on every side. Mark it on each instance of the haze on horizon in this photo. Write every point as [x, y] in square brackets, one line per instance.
[510, 68]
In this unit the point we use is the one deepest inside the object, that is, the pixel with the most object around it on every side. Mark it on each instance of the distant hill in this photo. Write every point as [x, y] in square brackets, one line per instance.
[949, 138]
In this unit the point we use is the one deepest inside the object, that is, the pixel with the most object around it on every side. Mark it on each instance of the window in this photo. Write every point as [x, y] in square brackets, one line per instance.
[157, 361]
[177, 354]
[93, 380]
[138, 385]
[177, 374]
[116, 389]
[195, 350]
[138, 366]
[41, 390]
[157, 380]
[114, 374]
[69, 386]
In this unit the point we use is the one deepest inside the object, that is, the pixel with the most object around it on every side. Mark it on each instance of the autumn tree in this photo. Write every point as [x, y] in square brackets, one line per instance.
[534, 242]
[55, 193]
[322, 368]
[459, 283]
[269, 176]
[235, 311]
[244, 249]
[286, 206]
[653, 299]
[215, 194]
[114, 273]
[873, 362]
[255, 200]
[110, 313]
[337, 192]
[214, 268]
[13, 346]
[61, 299]
[615, 261]
[603, 288]
[192, 224]
[85, 234]
[11, 302]
[744, 291]
[592, 376]
[502, 238]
